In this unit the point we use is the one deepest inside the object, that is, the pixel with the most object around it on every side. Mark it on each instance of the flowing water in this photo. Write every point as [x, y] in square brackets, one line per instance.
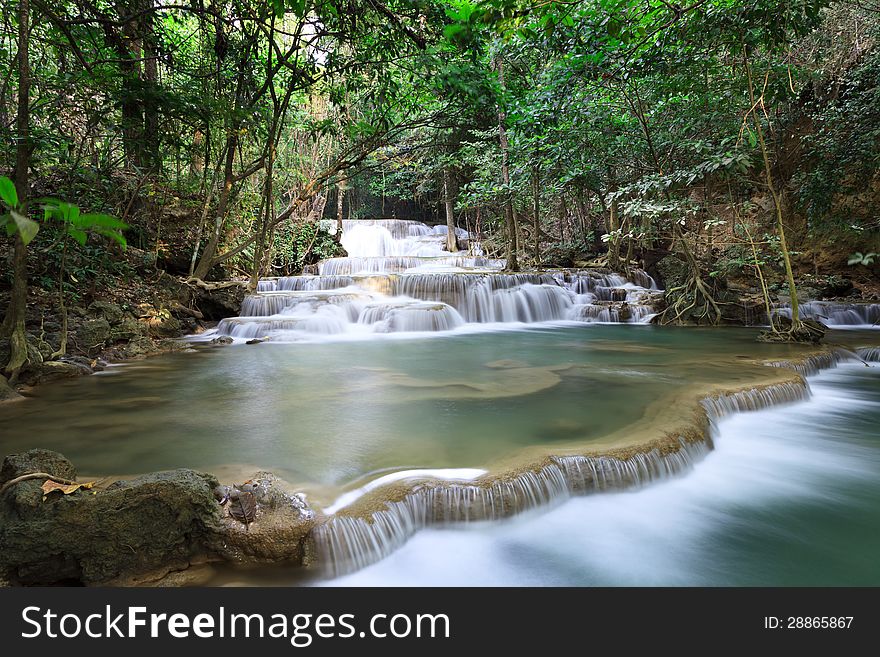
[405, 388]
[397, 278]
[790, 496]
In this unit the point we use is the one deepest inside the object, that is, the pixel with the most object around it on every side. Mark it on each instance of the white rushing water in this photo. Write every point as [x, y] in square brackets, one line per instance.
[837, 314]
[789, 495]
[398, 278]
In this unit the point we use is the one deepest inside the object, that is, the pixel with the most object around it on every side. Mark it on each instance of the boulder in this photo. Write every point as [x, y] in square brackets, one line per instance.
[128, 328]
[7, 392]
[164, 325]
[93, 334]
[139, 347]
[113, 313]
[45, 348]
[53, 370]
[36, 460]
[139, 530]
[151, 524]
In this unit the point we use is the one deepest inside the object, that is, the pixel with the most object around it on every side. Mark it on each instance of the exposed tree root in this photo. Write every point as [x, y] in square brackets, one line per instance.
[693, 299]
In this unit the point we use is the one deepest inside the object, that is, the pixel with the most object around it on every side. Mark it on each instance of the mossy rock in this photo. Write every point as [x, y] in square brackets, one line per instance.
[150, 524]
[93, 334]
[113, 313]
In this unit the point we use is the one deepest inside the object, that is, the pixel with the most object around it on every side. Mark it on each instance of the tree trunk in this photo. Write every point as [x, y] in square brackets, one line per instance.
[197, 156]
[510, 216]
[152, 156]
[563, 216]
[340, 199]
[536, 202]
[269, 202]
[13, 323]
[206, 262]
[130, 67]
[777, 203]
[451, 241]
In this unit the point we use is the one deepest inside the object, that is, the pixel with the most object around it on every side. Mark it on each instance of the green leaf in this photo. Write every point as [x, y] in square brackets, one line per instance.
[102, 220]
[77, 234]
[450, 31]
[27, 228]
[8, 193]
[117, 237]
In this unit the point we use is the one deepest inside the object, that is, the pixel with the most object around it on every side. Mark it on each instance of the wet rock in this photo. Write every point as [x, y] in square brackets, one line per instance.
[7, 392]
[138, 347]
[93, 364]
[93, 334]
[223, 339]
[53, 370]
[158, 522]
[257, 340]
[113, 313]
[278, 533]
[128, 328]
[164, 325]
[137, 531]
[36, 460]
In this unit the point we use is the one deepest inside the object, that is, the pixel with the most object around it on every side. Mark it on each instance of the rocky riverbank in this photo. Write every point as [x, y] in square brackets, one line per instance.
[140, 321]
[142, 531]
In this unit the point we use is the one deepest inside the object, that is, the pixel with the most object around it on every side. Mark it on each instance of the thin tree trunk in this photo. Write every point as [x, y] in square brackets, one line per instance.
[152, 155]
[209, 193]
[777, 202]
[13, 323]
[510, 216]
[132, 109]
[62, 348]
[340, 199]
[451, 241]
[536, 201]
[563, 216]
[206, 262]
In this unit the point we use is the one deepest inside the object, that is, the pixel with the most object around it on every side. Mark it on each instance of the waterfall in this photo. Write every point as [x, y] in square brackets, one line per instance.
[344, 543]
[347, 541]
[399, 278]
[869, 354]
[834, 313]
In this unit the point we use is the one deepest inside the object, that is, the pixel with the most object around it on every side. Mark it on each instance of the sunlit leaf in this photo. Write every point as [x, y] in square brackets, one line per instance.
[8, 192]
[27, 228]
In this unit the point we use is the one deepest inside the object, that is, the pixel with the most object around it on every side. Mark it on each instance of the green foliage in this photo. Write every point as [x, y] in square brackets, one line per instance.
[15, 220]
[79, 224]
[859, 258]
[300, 244]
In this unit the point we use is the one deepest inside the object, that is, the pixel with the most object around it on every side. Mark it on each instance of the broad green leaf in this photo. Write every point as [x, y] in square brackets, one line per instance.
[77, 234]
[450, 31]
[117, 237]
[27, 228]
[103, 220]
[8, 192]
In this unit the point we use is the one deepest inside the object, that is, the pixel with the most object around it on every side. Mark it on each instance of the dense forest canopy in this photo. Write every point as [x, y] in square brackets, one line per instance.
[708, 140]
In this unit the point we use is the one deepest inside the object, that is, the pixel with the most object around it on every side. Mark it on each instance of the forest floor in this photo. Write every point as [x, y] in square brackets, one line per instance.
[126, 317]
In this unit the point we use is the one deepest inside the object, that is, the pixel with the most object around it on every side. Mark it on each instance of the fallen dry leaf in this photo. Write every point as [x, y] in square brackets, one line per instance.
[66, 489]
